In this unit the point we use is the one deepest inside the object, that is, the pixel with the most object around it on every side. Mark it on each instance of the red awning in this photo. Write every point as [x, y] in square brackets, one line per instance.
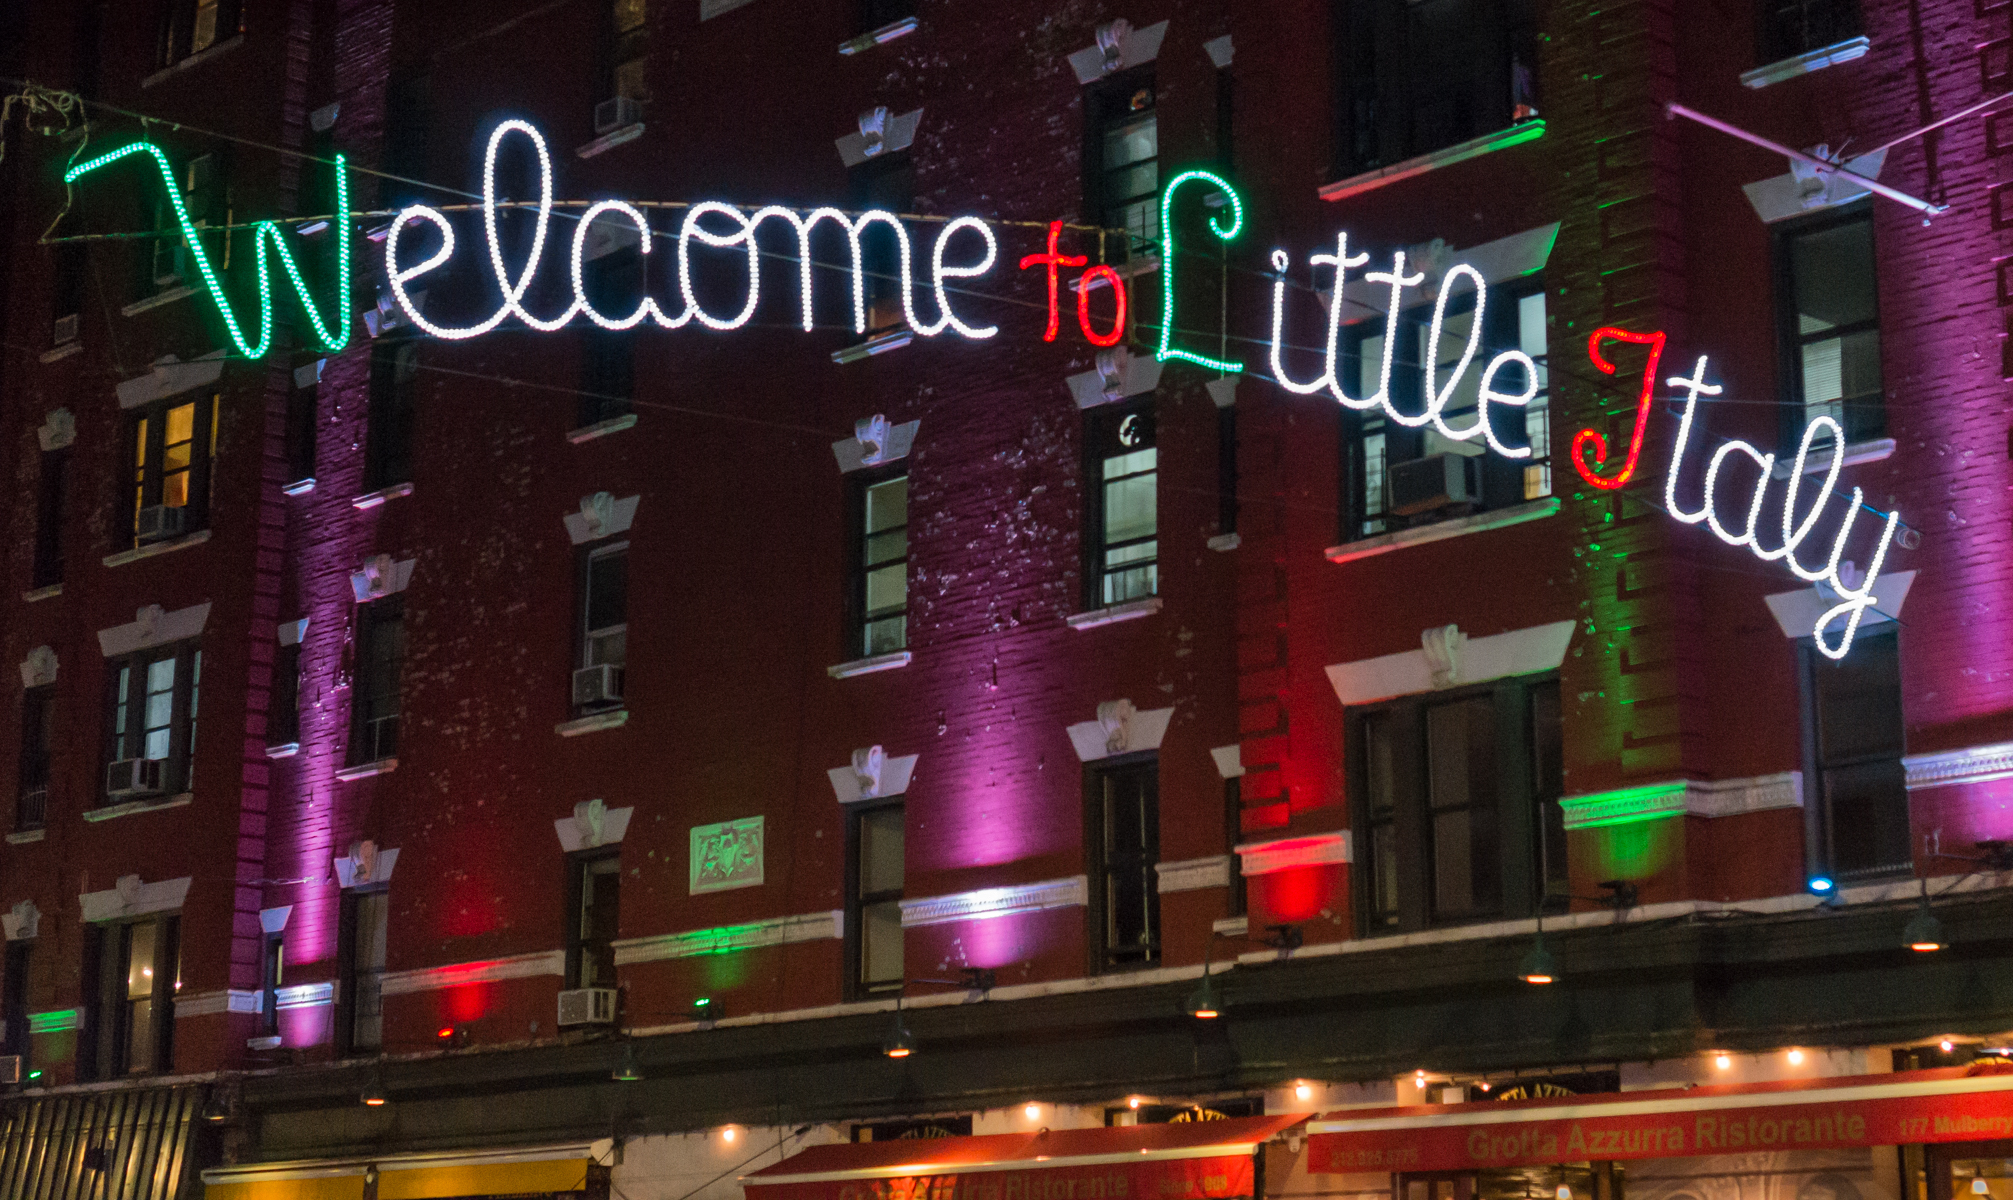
[1954, 1104]
[1199, 1160]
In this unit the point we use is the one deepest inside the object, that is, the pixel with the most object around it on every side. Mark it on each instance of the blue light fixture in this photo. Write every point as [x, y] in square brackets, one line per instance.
[1821, 884]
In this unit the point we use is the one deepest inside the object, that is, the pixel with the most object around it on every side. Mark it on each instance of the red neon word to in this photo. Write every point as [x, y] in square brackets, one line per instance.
[1593, 437]
[1052, 260]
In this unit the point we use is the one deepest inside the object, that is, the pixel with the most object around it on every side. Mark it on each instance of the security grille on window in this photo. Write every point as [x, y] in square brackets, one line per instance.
[137, 973]
[1395, 476]
[591, 934]
[394, 384]
[1788, 28]
[1123, 154]
[152, 714]
[1857, 798]
[1124, 818]
[1415, 76]
[38, 732]
[374, 696]
[360, 962]
[171, 446]
[881, 588]
[1123, 504]
[604, 627]
[1458, 805]
[873, 901]
[1830, 319]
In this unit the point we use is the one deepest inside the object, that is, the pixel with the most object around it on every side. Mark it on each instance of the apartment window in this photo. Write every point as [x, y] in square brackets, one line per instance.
[38, 739]
[151, 712]
[171, 446]
[394, 384]
[878, 14]
[1394, 477]
[360, 970]
[205, 197]
[1122, 158]
[14, 1002]
[887, 182]
[193, 26]
[596, 887]
[1226, 470]
[1457, 798]
[138, 972]
[272, 977]
[301, 436]
[283, 706]
[71, 263]
[1233, 833]
[880, 587]
[1417, 76]
[407, 104]
[613, 282]
[628, 50]
[1122, 504]
[1853, 743]
[1830, 324]
[380, 661]
[49, 518]
[604, 613]
[1124, 842]
[1788, 28]
[876, 865]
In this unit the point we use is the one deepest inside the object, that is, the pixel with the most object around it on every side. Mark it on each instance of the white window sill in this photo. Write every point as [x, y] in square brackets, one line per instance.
[152, 549]
[1459, 526]
[42, 593]
[1856, 454]
[1231, 926]
[1224, 541]
[373, 499]
[157, 300]
[610, 140]
[1112, 614]
[283, 749]
[195, 60]
[879, 37]
[26, 836]
[861, 351]
[59, 353]
[299, 487]
[868, 666]
[129, 807]
[383, 766]
[587, 433]
[592, 722]
[1805, 63]
[1502, 139]
[269, 1042]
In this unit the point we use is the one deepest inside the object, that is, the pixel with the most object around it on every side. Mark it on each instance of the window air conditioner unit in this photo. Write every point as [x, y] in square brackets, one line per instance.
[10, 1070]
[159, 522]
[1425, 484]
[617, 113]
[130, 777]
[587, 1006]
[65, 331]
[598, 685]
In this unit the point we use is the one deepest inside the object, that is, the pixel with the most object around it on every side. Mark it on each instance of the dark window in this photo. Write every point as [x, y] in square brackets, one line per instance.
[878, 14]
[887, 182]
[879, 598]
[71, 261]
[628, 50]
[1787, 28]
[1122, 158]
[614, 283]
[394, 378]
[272, 977]
[206, 198]
[49, 518]
[360, 971]
[1226, 119]
[1830, 322]
[1457, 793]
[380, 661]
[926, 1127]
[407, 105]
[14, 1002]
[1417, 76]
[1123, 838]
[283, 706]
[1226, 470]
[193, 26]
[1394, 477]
[1853, 747]
[596, 887]
[171, 446]
[302, 428]
[151, 719]
[38, 739]
[604, 612]
[874, 879]
[1121, 504]
[138, 972]
[1233, 834]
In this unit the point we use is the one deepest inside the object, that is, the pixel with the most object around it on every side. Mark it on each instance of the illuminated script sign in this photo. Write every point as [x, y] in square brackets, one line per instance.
[421, 240]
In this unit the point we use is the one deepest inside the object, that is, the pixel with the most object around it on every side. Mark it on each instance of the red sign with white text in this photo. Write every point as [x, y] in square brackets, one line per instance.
[1226, 1178]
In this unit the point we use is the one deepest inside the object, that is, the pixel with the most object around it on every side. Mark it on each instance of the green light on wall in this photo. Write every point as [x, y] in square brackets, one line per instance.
[56, 1021]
